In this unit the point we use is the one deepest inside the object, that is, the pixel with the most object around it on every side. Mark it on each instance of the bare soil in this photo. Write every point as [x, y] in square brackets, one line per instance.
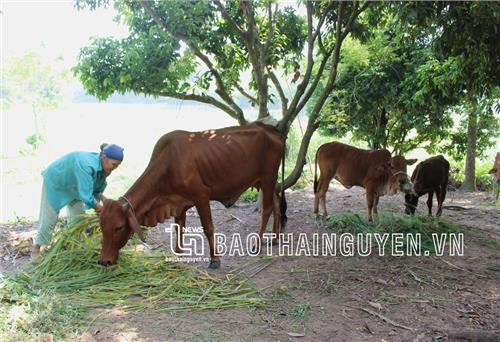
[330, 298]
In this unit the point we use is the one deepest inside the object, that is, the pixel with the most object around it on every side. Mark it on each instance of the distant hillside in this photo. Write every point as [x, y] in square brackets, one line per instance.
[81, 96]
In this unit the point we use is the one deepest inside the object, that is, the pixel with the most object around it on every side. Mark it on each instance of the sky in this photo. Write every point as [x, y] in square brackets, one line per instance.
[53, 28]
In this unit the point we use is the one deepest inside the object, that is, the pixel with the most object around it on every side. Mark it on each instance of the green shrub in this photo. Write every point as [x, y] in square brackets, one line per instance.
[484, 180]
[250, 195]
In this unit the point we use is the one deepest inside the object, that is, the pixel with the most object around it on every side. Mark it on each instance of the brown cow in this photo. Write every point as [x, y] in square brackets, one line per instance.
[429, 177]
[374, 170]
[189, 169]
[495, 171]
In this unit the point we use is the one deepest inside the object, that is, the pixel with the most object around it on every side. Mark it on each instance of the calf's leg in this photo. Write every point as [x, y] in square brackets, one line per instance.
[429, 202]
[324, 183]
[370, 200]
[441, 199]
[375, 204]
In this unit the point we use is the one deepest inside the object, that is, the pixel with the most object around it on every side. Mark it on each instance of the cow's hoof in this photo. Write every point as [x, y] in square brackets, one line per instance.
[214, 264]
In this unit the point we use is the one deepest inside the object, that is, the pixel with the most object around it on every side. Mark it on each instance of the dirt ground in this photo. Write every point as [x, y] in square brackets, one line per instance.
[331, 298]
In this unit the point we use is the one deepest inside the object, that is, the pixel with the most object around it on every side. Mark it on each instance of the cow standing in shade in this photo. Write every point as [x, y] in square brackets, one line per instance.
[429, 177]
[189, 169]
[374, 170]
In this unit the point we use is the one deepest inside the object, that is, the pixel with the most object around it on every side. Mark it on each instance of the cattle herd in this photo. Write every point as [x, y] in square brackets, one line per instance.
[189, 169]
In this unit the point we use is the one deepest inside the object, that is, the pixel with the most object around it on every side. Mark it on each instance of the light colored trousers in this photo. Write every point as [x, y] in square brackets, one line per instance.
[48, 218]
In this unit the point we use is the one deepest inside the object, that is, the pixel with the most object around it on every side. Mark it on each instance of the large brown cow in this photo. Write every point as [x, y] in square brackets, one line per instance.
[495, 171]
[189, 169]
[374, 170]
[429, 177]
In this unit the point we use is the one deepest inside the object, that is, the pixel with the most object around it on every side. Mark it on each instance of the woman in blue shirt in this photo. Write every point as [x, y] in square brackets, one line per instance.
[76, 180]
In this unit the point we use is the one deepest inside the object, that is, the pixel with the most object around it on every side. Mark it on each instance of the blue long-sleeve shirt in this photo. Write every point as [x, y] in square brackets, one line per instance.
[75, 176]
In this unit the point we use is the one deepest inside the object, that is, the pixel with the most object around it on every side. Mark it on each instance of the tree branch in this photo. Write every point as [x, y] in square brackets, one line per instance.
[285, 121]
[353, 17]
[321, 20]
[231, 21]
[203, 99]
[270, 32]
[312, 124]
[244, 93]
[313, 85]
[221, 91]
[257, 58]
[277, 85]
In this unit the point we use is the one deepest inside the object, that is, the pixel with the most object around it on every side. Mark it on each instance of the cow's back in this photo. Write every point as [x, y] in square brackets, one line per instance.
[430, 173]
[350, 165]
[227, 160]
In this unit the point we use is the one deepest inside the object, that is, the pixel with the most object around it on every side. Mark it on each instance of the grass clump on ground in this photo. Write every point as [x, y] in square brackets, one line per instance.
[428, 228]
[55, 295]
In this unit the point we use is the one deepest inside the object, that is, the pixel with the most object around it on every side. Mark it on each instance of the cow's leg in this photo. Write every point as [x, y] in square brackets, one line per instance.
[277, 229]
[324, 183]
[316, 199]
[375, 204]
[370, 200]
[203, 207]
[429, 201]
[181, 223]
[441, 199]
[267, 207]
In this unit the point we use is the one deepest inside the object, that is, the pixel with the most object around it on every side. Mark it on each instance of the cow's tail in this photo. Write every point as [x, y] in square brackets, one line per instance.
[283, 205]
[316, 172]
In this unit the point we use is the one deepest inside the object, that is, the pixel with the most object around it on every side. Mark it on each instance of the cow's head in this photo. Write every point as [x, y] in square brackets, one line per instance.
[118, 223]
[400, 181]
[411, 202]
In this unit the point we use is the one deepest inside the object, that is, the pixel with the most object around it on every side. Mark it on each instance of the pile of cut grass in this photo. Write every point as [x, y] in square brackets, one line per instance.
[69, 274]
[394, 223]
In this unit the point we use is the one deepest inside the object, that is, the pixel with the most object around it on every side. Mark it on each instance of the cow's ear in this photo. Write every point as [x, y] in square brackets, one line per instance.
[411, 161]
[136, 228]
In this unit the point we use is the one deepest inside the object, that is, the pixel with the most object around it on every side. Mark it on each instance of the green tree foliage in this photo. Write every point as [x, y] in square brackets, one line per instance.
[383, 95]
[201, 50]
[466, 30]
[468, 33]
[488, 130]
[422, 62]
[28, 79]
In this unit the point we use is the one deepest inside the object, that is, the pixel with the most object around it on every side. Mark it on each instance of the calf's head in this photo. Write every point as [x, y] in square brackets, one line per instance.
[400, 179]
[118, 223]
[411, 202]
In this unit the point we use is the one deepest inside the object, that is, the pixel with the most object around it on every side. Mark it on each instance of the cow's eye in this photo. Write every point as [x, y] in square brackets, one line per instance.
[119, 229]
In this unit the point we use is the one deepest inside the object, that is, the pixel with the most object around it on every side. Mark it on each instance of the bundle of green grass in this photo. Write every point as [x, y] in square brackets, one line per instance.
[394, 223]
[69, 275]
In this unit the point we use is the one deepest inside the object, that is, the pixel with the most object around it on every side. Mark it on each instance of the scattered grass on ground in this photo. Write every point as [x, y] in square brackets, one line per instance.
[55, 295]
[411, 227]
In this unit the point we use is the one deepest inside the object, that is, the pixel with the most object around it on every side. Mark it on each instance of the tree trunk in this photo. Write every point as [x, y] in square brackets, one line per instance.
[470, 160]
[380, 134]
